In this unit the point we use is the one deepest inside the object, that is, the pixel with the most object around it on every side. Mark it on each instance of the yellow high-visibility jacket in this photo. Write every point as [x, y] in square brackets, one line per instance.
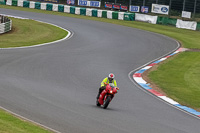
[106, 80]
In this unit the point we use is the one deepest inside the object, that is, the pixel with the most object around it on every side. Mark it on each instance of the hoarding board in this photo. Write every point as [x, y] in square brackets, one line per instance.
[116, 6]
[89, 3]
[52, 1]
[108, 5]
[145, 9]
[82, 3]
[71, 2]
[160, 9]
[125, 8]
[134, 8]
[186, 14]
[95, 3]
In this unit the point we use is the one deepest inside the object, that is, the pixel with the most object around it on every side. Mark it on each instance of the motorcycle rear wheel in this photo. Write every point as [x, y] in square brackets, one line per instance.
[106, 102]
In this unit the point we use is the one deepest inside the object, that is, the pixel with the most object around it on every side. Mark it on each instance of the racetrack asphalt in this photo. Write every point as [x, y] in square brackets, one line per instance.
[56, 85]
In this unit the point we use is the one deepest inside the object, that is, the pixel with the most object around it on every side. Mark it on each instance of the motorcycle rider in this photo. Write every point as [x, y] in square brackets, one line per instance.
[109, 79]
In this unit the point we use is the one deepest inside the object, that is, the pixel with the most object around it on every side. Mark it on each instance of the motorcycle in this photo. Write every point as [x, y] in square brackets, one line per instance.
[107, 95]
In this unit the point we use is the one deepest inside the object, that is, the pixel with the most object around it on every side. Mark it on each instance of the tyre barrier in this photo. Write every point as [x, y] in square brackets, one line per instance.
[5, 24]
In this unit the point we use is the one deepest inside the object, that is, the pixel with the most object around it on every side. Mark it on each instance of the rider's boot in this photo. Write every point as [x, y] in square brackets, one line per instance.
[100, 90]
[98, 95]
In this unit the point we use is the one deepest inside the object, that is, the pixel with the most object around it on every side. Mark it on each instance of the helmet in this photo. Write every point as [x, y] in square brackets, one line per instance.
[111, 75]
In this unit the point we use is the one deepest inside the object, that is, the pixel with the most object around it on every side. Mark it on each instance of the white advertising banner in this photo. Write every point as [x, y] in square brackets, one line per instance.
[99, 13]
[89, 3]
[77, 10]
[134, 8]
[160, 9]
[20, 3]
[121, 15]
[89, 12]
[186, 14]
[43, 6]
[55, 7]
[32, 4]
[109, 14]
[66, 9]
[146, 18]
[9, 2]
[191, 25]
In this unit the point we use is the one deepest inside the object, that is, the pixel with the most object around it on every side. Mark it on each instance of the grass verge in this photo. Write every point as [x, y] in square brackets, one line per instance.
[11, 124]
[179, 78]
[35, 33]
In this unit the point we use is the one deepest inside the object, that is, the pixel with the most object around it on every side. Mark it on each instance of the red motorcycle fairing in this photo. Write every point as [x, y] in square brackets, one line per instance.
[102, 95]
[109, 91]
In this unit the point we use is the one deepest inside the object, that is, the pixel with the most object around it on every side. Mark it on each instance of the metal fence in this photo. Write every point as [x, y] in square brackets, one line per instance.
[176, 6]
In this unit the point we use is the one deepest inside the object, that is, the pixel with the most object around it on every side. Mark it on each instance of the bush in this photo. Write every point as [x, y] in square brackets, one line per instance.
[175, 13]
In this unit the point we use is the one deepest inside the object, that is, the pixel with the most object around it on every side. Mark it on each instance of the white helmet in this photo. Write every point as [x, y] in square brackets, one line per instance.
[111, 75]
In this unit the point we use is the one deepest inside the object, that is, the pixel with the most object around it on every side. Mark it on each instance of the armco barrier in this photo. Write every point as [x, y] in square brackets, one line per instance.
[26, 4]
[166, 21]
[72, 9]
[198, 26]
[104, 13]
[5, 24]
[14, 3]
[83, 11]
[94, 12]
[129, 16]
[61, 8]
[37, 5]
[49, 7]
[2, 2]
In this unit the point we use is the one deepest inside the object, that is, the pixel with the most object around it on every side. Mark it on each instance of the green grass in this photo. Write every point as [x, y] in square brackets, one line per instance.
[188, 38]
[179, 78]
[30, 32]
[11, 124]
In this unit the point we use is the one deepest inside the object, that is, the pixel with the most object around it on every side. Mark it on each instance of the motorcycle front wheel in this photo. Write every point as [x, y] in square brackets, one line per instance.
[106, 102]
[97, 103]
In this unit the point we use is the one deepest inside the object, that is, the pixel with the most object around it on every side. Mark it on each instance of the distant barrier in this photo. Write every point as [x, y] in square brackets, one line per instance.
[5, 24]
[106, 14]
[2, 2]
[72, 9]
